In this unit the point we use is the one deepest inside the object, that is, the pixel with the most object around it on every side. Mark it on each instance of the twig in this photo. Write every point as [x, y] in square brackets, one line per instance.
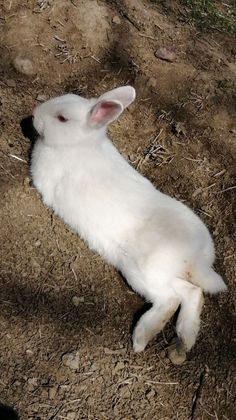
[200, 190]
[193, 160]
[220, 173]
[18, 158]
[204, 212]
[95, 58]
[148, 36]
[158, 26]
[130, 20]
[197, 394]
[124, 14]
[229, 256]
[161, 383]
[227, 189]
[209, 414]
[57, 38]
[7, 172]
[74, 4]
[75, 275]
[62, 24]
[90, 331]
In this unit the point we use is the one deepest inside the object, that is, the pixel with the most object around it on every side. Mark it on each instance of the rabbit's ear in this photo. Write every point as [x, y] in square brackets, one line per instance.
[104, 112]
[110, 106]
[124, 94]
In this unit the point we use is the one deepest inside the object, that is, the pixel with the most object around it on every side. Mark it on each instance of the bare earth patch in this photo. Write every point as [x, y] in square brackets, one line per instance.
[65, 315]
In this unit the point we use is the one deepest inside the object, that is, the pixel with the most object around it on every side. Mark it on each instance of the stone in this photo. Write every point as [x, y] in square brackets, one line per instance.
[116, 20]
[52, 392]
[166, 54]
[176, 355]
[178, 129]
[71, 360]
[32, 384]
[151, 394]
[24, 66]
[71, 415]
[41, 98]
[119, 366]
[76, 300]
[11, 83]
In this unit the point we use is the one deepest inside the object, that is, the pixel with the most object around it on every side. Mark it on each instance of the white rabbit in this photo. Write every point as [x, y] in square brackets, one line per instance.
[162, 248]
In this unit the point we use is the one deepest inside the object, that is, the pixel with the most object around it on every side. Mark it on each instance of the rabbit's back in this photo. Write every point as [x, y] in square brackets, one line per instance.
[109, 204]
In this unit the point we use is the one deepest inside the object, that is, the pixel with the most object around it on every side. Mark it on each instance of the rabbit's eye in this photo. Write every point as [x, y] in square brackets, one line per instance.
[61, 118]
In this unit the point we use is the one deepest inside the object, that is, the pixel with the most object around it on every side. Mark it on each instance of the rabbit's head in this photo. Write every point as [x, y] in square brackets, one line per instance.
[70, 119]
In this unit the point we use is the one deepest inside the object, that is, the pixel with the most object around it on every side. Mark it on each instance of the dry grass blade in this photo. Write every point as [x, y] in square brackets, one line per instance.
[18, 158]
[227, 189]
[158, 152]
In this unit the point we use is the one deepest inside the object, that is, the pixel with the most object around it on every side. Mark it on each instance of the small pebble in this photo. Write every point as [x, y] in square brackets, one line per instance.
[197, 192]
[37, 243]
[110, 352]
[11, 83]
[94, 367]
[17, 383]
[32, 384]
[119, 366]
[77, 300]
[52, 392]
[26, 182]
[116, 20]
[41, 98]
[124, 392]
[174, 174]
[24, 66]
[71, 415]
[162, 354]
[166, 54]
[64, 388]
[150, 394]
[29, 352]
[178, 128]
[35, 263]
[176, 356]
[71, 360]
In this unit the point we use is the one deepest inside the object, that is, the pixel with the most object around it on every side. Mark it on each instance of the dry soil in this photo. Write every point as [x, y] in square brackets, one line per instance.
[66, 316]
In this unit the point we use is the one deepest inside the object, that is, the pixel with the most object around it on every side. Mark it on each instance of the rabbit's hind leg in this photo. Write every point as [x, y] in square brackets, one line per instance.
[153, 321]
[188, 322]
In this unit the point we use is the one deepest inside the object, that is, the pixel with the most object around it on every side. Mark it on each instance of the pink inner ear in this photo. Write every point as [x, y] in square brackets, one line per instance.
[104, 112]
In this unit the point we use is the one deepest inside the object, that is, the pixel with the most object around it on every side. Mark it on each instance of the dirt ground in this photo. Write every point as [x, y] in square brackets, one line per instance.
[60, 303]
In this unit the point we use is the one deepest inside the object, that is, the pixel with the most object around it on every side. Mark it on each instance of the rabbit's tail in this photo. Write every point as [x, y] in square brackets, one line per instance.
[208, 280]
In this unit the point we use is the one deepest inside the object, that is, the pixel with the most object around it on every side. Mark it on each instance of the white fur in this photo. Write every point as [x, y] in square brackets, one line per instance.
[162, 248]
